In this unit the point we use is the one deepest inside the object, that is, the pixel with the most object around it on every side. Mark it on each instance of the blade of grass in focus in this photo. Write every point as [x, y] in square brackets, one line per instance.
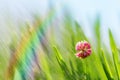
[106, 66]
[63, 65]
[114, 53]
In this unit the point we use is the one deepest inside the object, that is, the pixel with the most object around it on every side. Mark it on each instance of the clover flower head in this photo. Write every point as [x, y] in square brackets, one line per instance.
[83, 49]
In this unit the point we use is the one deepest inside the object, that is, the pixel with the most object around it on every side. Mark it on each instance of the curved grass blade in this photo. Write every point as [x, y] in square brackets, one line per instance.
[63, 65]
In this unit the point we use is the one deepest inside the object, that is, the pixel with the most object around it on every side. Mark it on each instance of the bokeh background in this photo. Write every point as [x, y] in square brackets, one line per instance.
[85, 12]
[15, 15]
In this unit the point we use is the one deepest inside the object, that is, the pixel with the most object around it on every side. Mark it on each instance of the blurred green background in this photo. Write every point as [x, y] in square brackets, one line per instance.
[62, 24]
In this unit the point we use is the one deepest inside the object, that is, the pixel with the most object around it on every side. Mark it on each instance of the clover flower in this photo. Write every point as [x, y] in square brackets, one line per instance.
[83, 49]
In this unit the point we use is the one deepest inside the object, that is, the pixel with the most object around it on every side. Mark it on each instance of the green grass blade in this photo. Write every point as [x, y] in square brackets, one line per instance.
[114, 53]
[106, 66]
[63, 65]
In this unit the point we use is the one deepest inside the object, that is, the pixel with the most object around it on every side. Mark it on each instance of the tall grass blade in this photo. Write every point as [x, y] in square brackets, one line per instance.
[106, 66]
[114, 53]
